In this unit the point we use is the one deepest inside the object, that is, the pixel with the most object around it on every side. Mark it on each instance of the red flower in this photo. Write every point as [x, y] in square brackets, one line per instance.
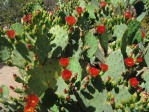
[64, 62]
[139, 60]
[1, 90]
[28, 109]
[25, 18]
[133, 82]
[104, 67]
[129, 62]
[101, 29]
[29, 18]
[143, 34]
[127, 15]
[70, 20]
[93, 71]
[66, 75]
[79, 10]
[11, 34]
[103, 4]
[32, 100]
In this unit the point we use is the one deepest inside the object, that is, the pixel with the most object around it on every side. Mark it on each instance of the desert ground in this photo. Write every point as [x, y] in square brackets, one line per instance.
[6, 77]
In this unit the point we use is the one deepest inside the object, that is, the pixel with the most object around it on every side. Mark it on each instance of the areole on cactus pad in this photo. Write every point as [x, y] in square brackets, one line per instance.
[82, 56]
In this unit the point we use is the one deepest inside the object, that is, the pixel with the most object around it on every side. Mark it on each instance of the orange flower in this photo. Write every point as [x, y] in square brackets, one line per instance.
[28, 109]
[32, 100]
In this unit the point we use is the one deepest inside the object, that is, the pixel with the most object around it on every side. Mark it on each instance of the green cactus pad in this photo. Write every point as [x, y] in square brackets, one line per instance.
[60, 40]
[5, 92]
[92, 42]
[120, 30]
[133, 27]
[74, 48]
[104, 41]
[94, 97]
[5, 49]
[121, 94]
[75, 67]
[42, 47]
[138, 37]
[146, 57]
[116, 65]
[18, 28]
[82, 4]
[44, 77]
[90, 9]
[21, 55]
[145, 77]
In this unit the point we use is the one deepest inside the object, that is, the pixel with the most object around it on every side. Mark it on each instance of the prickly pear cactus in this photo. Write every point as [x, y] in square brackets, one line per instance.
[82, 56]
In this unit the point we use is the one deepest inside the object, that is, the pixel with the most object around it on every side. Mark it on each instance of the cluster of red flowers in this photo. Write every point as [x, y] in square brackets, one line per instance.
[31, 103]
[66, 74]
[130, 61]
[27, 18]
[95, 72]
[72, 20]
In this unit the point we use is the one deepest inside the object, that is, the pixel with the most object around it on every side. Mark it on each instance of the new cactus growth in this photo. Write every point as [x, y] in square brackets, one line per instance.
[84, 56]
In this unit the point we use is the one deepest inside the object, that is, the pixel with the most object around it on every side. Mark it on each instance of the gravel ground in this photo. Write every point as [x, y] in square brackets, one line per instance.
[6, 77]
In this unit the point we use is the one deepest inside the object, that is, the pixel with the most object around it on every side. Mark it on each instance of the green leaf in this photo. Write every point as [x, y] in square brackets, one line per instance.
[5, 92]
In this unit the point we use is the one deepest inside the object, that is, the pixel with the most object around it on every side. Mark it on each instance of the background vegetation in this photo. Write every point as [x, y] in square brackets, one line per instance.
[12, 10]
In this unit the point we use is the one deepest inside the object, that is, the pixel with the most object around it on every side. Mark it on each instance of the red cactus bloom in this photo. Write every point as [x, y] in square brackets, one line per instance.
[139, 60]
[93, 71]
[28, 109]
[79, 10]
[66, 75]
[129, 62]
[11, 34]
[101, 29]
[133, 82]
[104, 67]
[64, 62]
[103, 4]
[127, 15]
[1, 90]
[143, 34]
[70, 20]
[29, 18]
[25, 18]
[32, 100]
